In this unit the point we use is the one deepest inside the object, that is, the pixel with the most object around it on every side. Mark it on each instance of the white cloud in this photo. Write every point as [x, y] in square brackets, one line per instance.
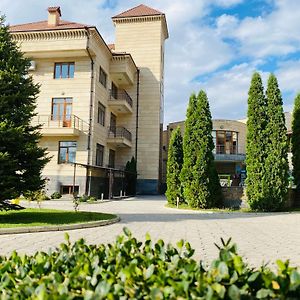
[276, 33]
[196, 48]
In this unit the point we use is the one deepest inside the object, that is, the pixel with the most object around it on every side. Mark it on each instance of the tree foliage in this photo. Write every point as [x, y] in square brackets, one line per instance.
[266, 152]
[256, 141]
[275, 181]
[200, 186]
[130, 177]
[21, 160]
[295, 141]
[174, 166]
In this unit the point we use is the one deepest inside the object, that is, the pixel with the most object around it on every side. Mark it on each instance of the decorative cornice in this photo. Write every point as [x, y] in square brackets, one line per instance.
[49, 35]
[140, 19]
[137, 19]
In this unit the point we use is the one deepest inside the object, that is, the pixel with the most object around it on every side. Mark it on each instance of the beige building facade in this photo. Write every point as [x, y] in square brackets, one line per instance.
[99, 105]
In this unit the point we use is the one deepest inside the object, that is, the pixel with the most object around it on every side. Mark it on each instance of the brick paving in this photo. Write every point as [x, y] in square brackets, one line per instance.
[261, 237]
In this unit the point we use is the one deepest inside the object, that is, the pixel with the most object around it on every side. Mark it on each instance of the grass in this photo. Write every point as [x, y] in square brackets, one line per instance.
[225, 210]
[46, 217]
[229, 210]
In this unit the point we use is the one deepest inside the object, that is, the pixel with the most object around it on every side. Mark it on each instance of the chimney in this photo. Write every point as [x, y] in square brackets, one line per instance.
[54, 15]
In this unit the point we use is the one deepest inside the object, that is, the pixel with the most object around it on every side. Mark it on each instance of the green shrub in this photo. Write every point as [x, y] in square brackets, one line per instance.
[83, 198]
[56, 195]
[130, 269]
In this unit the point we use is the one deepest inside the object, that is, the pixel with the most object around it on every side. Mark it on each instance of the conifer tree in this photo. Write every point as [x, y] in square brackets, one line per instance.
[198, 161]
[275, 181]
[256, 142]
[130, 177]
[21, 160]
[174, 166]
[296, 141]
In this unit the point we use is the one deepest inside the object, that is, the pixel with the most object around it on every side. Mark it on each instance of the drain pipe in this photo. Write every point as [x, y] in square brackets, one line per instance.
[88, 179]
[137, 113]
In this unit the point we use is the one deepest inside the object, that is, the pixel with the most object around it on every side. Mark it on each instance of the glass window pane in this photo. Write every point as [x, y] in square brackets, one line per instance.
[57, 71]
[64, 71]
[63, 155]
[72, 154]
[71, 70]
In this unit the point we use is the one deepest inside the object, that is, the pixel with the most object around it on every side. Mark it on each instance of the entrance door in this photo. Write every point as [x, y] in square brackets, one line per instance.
[62, 111]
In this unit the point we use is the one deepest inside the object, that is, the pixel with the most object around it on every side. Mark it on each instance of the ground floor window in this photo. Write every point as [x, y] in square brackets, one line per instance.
[67, 152]
[99, 155]
[68, 189]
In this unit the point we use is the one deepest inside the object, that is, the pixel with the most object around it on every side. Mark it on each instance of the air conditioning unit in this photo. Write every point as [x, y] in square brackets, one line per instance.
[32, 66]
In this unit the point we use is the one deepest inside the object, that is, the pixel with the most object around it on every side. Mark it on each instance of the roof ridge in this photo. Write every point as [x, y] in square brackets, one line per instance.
[151, 11]
[44, 21]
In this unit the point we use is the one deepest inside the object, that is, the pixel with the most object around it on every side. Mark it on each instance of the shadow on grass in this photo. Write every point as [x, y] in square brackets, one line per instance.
[49, 217]
[6, 206]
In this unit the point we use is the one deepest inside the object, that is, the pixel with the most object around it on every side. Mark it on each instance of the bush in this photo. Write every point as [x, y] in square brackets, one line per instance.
[56, 195]
[130, 269]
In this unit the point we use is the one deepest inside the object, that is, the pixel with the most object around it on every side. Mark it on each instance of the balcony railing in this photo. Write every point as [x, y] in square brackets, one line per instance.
[54, 121]
[119, 132]
[230, 154]
[222, 149]
[120, 95]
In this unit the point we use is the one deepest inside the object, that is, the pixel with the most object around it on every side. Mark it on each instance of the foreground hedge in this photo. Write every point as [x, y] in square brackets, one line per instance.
[132, 269]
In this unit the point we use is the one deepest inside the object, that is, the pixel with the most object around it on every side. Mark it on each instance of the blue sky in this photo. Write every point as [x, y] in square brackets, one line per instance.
[214, 45]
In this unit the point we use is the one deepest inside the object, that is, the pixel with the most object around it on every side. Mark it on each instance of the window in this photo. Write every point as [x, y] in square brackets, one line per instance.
[113, 123]
[64, 70]
[226, 142]
[102, 77]
[99, 155]
[62, 110]
[67, 152]
[68, 189]
[114, 91]
[101, 114]
[112, 156]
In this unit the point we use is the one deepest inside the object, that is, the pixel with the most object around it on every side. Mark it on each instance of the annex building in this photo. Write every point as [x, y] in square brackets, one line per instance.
[99, 105]
[229, 138]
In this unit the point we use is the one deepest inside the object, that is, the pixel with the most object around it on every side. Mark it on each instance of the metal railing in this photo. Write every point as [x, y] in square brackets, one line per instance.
[119, 132]
[221, 149]
[120, 95]
[54, 121]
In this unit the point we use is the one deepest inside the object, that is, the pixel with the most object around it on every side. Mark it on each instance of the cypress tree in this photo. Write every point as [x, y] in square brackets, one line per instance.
[130, 177]
[21, 160]
[276, 167]
[256, 140]
[174, 166]
[198, 161]
[296, 141]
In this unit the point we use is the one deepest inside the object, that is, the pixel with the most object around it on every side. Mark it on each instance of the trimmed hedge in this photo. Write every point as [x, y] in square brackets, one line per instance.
[130, 269]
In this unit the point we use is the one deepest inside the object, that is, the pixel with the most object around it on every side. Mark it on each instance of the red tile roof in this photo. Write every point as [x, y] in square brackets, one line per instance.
[139, 11]
[43, 25]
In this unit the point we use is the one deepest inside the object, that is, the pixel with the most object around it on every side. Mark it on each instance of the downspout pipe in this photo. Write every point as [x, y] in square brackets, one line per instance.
[137, 113]
[87, 184]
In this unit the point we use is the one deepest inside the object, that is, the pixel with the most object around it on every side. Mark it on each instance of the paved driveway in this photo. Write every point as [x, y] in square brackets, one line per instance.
[260, 237]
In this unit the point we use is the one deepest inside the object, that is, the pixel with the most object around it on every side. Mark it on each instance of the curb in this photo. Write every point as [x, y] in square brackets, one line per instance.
[34, 229]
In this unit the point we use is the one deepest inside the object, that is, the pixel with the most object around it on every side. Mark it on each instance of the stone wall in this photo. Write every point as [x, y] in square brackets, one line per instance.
[235, 197]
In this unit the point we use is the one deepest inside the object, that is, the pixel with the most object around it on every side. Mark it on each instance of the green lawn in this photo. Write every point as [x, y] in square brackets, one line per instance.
[45, 217]
[226, 210]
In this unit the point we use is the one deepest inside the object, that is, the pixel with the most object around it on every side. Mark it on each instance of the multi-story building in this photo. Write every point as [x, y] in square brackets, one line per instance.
[229, 138]
[99, 105]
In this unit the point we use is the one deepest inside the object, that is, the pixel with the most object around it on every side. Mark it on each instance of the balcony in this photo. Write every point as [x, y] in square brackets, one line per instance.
[122, 69]
[119, 137]
[120, 102]
[53, 126]
[228, 154]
